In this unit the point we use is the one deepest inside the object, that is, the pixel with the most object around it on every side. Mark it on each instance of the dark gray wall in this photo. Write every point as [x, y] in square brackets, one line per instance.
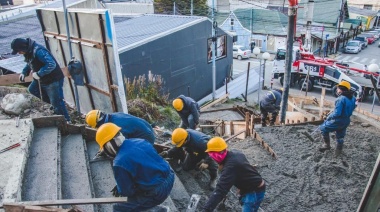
[181, 59]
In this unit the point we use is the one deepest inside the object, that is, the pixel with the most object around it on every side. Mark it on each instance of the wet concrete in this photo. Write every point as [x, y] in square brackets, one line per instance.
[75, 175]
[40, 177]
[304, 179]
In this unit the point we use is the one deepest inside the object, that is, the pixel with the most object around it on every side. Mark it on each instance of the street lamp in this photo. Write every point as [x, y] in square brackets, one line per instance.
[374, 68]
[265, 56]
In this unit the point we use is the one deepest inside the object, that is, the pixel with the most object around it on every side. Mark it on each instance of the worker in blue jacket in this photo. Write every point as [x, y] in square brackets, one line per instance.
[47, 75]
[339, 119]
[140, 173]
[195, 145]
[189, 111]
[131, 126]
[270, 104]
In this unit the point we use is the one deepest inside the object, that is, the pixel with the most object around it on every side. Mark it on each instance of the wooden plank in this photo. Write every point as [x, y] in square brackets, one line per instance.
[214, 102]
[234, 136]
[247, 131]
[48, 121]
[305, 113]
[71, 201]
[11, 79]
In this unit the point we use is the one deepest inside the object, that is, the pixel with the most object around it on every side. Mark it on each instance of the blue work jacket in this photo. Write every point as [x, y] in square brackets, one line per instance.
[138, 168]
[131, 126]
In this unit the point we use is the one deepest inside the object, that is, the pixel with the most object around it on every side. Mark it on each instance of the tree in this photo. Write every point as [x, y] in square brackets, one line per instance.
[183, 7]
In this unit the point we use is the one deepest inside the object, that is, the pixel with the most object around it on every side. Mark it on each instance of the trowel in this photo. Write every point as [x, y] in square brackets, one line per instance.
[194, 200]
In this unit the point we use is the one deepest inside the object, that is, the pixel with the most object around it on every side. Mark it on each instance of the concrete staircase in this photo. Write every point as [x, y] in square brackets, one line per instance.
[60, 167]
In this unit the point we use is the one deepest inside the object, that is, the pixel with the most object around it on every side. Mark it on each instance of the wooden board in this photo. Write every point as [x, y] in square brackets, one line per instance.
[11, 79]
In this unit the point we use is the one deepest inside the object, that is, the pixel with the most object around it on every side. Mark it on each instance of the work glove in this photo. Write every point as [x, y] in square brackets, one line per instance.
[202, 165]
[35, 76]
[115, 192]
[22, 78]
[164, 154]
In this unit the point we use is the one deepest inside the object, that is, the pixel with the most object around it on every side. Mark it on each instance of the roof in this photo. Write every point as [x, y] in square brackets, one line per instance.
[25, 27]
[324, 11]
[264, 21]
[132, 32]
[363, 12]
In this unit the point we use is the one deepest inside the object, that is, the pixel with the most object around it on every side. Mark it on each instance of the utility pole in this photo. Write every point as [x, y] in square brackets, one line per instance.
[292, 12]
[310, 14]
[173, 8]
[214, 25]
[191, 8]
[250, 38]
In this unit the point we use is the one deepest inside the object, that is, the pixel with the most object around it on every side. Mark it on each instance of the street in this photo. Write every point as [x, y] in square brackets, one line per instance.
[366, 56]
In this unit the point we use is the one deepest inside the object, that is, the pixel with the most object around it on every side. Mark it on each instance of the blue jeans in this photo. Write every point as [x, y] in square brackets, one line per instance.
[51, 93]
[189, 123]
[338, 126]
[251, 202]
[148, 199]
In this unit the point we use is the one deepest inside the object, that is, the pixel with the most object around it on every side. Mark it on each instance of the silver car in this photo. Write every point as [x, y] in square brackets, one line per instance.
[241, 52]
[353, 46]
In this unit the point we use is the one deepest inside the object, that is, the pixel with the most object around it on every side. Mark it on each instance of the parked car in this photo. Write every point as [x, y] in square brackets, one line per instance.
[375, 33]
[364, 40]
[370, 37]
[240, 52]
[353, 46]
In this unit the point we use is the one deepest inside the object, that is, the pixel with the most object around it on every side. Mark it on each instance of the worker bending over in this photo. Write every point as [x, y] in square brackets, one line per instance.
[195, 145]
[131, 126]
[270, 104]
[339, 119]
[235, 171]
[140, 173]
[188, 110]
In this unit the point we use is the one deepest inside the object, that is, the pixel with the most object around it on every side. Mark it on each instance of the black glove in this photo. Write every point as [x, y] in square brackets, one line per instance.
[115, 192]
[164, 154]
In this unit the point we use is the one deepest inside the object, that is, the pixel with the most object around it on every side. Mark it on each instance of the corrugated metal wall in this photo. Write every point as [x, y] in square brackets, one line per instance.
[181, 59]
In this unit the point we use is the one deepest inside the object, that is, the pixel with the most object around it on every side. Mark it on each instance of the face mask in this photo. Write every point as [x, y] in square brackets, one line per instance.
[111, 147]
[218, 156]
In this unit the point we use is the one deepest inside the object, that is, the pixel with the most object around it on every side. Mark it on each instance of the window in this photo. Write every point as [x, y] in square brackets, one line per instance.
[368, 6]
[258, 43]
[221, 50]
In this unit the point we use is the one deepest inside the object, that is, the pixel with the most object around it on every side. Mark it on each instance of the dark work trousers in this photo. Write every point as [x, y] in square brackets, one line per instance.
[192, 160]
[264, 114]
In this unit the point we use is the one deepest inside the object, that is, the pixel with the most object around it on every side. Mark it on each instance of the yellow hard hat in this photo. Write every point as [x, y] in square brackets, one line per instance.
[92, 118]
[345, 84]
[178, 104]
[105, 133]
[216, 144]
[179, 136]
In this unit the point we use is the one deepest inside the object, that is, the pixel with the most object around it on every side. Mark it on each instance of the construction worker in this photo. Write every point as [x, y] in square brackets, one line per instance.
[188, 110]
[339, 119]
[195, 145]
[235, 171]
[270, 104]
[131, 126]
[140, 173]
[47, 75]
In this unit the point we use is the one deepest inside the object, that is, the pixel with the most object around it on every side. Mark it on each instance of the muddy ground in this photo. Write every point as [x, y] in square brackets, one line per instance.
[302, 178]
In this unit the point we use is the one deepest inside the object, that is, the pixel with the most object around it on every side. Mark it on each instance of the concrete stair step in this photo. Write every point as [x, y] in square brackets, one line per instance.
[41, 174]
[76, 181]
[102, 175]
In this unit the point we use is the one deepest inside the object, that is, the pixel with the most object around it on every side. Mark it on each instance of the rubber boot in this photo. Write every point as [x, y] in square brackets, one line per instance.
[339, 147]
[326, 145]
[272, 120]
[263, 120]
